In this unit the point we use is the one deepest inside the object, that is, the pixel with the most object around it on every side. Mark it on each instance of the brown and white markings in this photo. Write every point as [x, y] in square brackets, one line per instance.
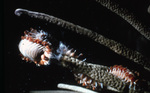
[133, 78]
[34, 47]
[88, 82]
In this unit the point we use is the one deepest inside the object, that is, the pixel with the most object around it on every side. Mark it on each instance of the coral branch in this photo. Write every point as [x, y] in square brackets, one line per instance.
[148, 9]
[111, 44]
[126, 15]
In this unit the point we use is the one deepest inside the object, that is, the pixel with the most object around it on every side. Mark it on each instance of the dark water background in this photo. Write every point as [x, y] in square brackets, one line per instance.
[22, 77]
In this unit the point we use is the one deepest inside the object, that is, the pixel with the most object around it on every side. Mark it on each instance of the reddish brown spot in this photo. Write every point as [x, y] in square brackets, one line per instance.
[48, 49]
[38, 41]
[88, 86]
[23, 37]
[124, 69]
[111, 68]
[47, 46]
[44, 43]
[25, 32]
[27, 38]
[30, 39]
[120, 67]
[78, 81]
[132, 79]
[84, 84]
[94, 88]
[41, 62]
[21, 55]
[35, 62]
[126, 73]
[27, 59]
[115, 66]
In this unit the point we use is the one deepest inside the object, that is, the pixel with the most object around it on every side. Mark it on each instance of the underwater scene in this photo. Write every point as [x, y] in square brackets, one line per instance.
[76, 46]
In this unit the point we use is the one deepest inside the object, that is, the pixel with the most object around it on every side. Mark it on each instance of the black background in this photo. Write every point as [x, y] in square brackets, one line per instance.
[22, 77]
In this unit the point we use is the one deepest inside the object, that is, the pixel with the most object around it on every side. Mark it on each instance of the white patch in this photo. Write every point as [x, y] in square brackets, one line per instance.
[62, 50]
[101, 85]
[41, 35]
[18, 12]
[30, 50]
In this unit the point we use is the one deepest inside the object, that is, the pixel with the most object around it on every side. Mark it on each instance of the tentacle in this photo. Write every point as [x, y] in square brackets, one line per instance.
[111, 44]
[126, 15]
[132, 77]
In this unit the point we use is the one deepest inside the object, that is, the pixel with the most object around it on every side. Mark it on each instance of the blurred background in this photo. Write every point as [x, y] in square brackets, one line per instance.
[22, 77]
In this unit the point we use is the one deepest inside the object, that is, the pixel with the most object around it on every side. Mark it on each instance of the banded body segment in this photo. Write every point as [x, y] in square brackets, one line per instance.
[31, 50]
[88, 82]
[64, 51]
[124, 74]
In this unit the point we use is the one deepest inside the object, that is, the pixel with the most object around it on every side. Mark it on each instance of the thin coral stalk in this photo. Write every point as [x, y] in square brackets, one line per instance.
[126, 15]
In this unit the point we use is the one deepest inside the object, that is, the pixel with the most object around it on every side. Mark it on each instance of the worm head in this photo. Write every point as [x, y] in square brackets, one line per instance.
[34, 47]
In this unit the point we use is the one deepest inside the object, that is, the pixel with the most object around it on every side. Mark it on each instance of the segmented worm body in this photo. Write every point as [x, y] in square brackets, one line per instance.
[88, 82]
[34, 47]
[124, 74]
[89, 75]
[81, 78]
